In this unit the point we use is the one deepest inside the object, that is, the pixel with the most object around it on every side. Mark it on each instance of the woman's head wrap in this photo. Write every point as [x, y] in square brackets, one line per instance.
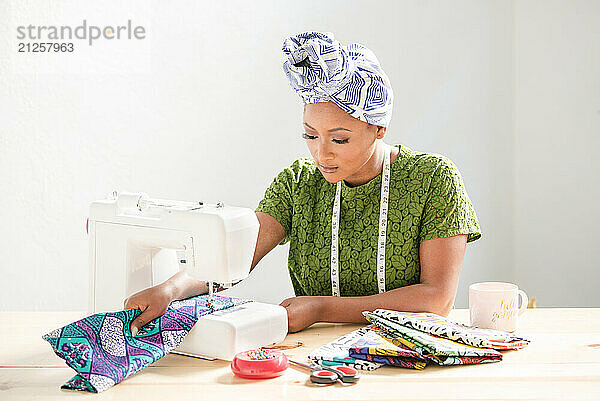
[320, 69]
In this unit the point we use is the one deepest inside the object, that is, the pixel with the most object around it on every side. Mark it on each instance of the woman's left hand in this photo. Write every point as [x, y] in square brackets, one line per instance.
[302, 312]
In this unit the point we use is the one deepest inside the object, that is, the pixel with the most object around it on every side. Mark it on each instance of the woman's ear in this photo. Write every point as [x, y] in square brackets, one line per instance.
[381, 132]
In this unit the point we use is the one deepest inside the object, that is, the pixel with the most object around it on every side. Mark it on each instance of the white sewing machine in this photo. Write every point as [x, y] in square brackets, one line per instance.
[137, 242]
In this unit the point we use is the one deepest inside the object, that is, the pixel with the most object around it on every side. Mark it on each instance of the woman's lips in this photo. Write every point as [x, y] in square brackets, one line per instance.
[327, 169]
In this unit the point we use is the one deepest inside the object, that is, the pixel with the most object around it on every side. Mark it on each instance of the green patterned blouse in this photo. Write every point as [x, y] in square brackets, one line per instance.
[427, 200]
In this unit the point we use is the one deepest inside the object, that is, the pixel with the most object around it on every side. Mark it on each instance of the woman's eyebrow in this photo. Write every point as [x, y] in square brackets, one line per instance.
[330, 130]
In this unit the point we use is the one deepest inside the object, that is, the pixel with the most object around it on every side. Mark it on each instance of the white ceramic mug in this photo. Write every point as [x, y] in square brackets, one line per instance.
[495, 305]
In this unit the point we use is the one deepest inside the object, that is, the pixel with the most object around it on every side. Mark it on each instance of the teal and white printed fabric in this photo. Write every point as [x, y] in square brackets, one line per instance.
[336, 352]
[320, 69]
[102, 351]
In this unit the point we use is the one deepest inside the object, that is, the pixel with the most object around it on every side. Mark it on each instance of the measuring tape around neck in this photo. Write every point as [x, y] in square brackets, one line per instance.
[383, 213]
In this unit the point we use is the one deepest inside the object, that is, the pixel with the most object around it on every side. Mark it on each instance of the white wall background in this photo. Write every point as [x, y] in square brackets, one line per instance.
[557, 137]
[200, 109]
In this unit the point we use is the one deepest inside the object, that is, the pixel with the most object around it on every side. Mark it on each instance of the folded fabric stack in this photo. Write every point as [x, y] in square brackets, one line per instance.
[440, 326]
[435, 349]
[376, 346]
[411, 340]
[101, 349]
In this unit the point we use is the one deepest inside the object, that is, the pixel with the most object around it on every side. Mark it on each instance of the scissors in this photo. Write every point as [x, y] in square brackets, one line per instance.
[330, 374]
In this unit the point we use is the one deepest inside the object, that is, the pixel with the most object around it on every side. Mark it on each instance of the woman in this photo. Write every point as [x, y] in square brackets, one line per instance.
[369, 225]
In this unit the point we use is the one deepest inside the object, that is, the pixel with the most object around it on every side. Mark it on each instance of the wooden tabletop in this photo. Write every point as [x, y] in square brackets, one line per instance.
[562, 362]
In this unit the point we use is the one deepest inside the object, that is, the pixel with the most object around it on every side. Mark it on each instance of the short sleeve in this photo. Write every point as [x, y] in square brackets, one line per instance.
[278, 201]
[448, 211]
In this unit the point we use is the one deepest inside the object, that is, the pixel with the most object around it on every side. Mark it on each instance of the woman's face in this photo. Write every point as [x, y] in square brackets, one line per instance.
[340, 144]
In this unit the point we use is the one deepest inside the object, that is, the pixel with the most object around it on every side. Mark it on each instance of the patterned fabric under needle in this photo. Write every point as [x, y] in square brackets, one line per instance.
[101, 349]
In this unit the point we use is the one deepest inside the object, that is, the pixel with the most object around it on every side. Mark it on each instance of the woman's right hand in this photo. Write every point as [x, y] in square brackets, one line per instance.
[153, 302]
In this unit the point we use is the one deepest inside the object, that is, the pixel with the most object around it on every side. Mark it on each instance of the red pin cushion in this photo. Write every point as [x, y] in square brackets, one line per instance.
[259, 364]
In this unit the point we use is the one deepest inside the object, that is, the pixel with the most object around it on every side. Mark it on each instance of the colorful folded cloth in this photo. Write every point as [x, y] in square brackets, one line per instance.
[373, 347]
[436, 349]
[101, 349]
[411, 340]
[337, 352]
[443, 327]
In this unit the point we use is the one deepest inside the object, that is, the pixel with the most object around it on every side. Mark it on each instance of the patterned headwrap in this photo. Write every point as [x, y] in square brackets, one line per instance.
[320, 69]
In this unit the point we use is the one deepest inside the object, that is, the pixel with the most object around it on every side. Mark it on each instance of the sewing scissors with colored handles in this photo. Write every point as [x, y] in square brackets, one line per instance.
[330, 374]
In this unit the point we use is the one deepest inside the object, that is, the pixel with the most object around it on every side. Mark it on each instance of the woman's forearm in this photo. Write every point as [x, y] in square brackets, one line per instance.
[412, 298]
[182, 286]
